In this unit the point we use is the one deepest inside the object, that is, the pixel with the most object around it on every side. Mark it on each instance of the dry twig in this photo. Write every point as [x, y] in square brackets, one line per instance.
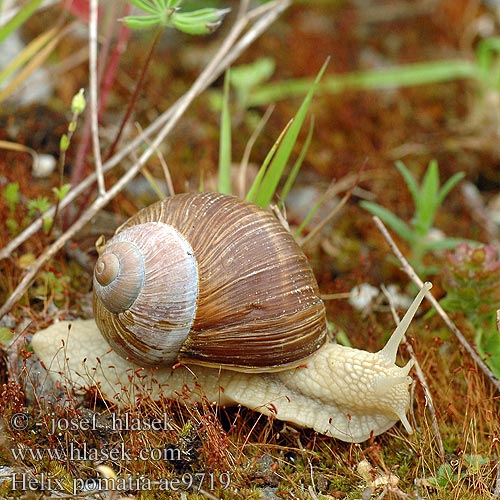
[94, 99]
[230, 49]
[496, 492]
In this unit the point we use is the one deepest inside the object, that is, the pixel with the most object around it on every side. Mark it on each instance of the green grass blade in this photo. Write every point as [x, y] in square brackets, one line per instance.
[449, 185]
[444, 244]
[225, 141]
[393, 221]
[427, 204]
[410, 181]
[280, 160]
[23, 14]
[310, 215]
[485, 51]
[400, 76]
[141, 22]
[254, 189]
[28, 53]
[296, 167]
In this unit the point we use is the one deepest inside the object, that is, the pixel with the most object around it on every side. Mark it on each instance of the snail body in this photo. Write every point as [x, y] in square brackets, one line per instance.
[251, 330]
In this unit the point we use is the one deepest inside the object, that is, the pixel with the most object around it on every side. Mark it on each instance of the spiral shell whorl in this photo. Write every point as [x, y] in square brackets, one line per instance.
[119, 276]
[107, 268]
[147, 310]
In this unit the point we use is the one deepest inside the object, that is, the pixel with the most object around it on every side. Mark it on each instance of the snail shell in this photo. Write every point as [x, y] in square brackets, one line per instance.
[208, 279]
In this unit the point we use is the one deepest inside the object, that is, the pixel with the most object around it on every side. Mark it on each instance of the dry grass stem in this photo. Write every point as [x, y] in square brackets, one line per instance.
[421, 377]
[349, 182]
[166, 171]
[242, 175]
[449, 323]
[94, 98]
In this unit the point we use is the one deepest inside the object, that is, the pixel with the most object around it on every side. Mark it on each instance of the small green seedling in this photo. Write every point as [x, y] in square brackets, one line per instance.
[471, 279]
[167, 14]
[37, 207]
[427, 198]
[448, 475]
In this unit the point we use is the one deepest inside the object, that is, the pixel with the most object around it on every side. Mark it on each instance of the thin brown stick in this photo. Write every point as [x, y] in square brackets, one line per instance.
[449, 323]
[332, 191]
[421, 378]
[133, 99]
[496, 492]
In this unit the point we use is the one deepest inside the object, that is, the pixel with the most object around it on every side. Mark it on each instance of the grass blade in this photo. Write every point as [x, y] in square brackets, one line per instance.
[280, 160]
[427, 204]
[24, 13]
[225, 141]
[393, 221]
[400, 76]
[254, 189]
[410, 181]
[26, 54]
[296, 167]
[449, 185]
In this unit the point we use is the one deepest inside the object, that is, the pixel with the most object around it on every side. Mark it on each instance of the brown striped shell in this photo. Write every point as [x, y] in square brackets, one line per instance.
[208, 279]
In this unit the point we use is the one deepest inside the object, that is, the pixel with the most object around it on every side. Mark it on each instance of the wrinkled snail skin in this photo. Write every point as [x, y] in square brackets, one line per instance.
[210, 294]
[346, 393]
[334, 398]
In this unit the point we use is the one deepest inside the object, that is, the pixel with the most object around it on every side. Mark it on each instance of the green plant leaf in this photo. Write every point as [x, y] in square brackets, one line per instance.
[11, 195]
[410, 181]
[246, 76]
[141, 22]
[310, 215]
[290, 180]
[199, 22]
[61, 192]
[28, 53]
[280, 160]
[257, 183]
[444, 244]
[485, 52]
[47, 223]
[399, 76]
[225, 141]
[488, 345]
[64, 143]
[40, 204]
[22, 15]
[449, 185]
[6, 335]
[427, 202]
[393, 221]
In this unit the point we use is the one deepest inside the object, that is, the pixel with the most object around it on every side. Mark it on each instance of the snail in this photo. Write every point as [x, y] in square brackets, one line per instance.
[209, 291]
